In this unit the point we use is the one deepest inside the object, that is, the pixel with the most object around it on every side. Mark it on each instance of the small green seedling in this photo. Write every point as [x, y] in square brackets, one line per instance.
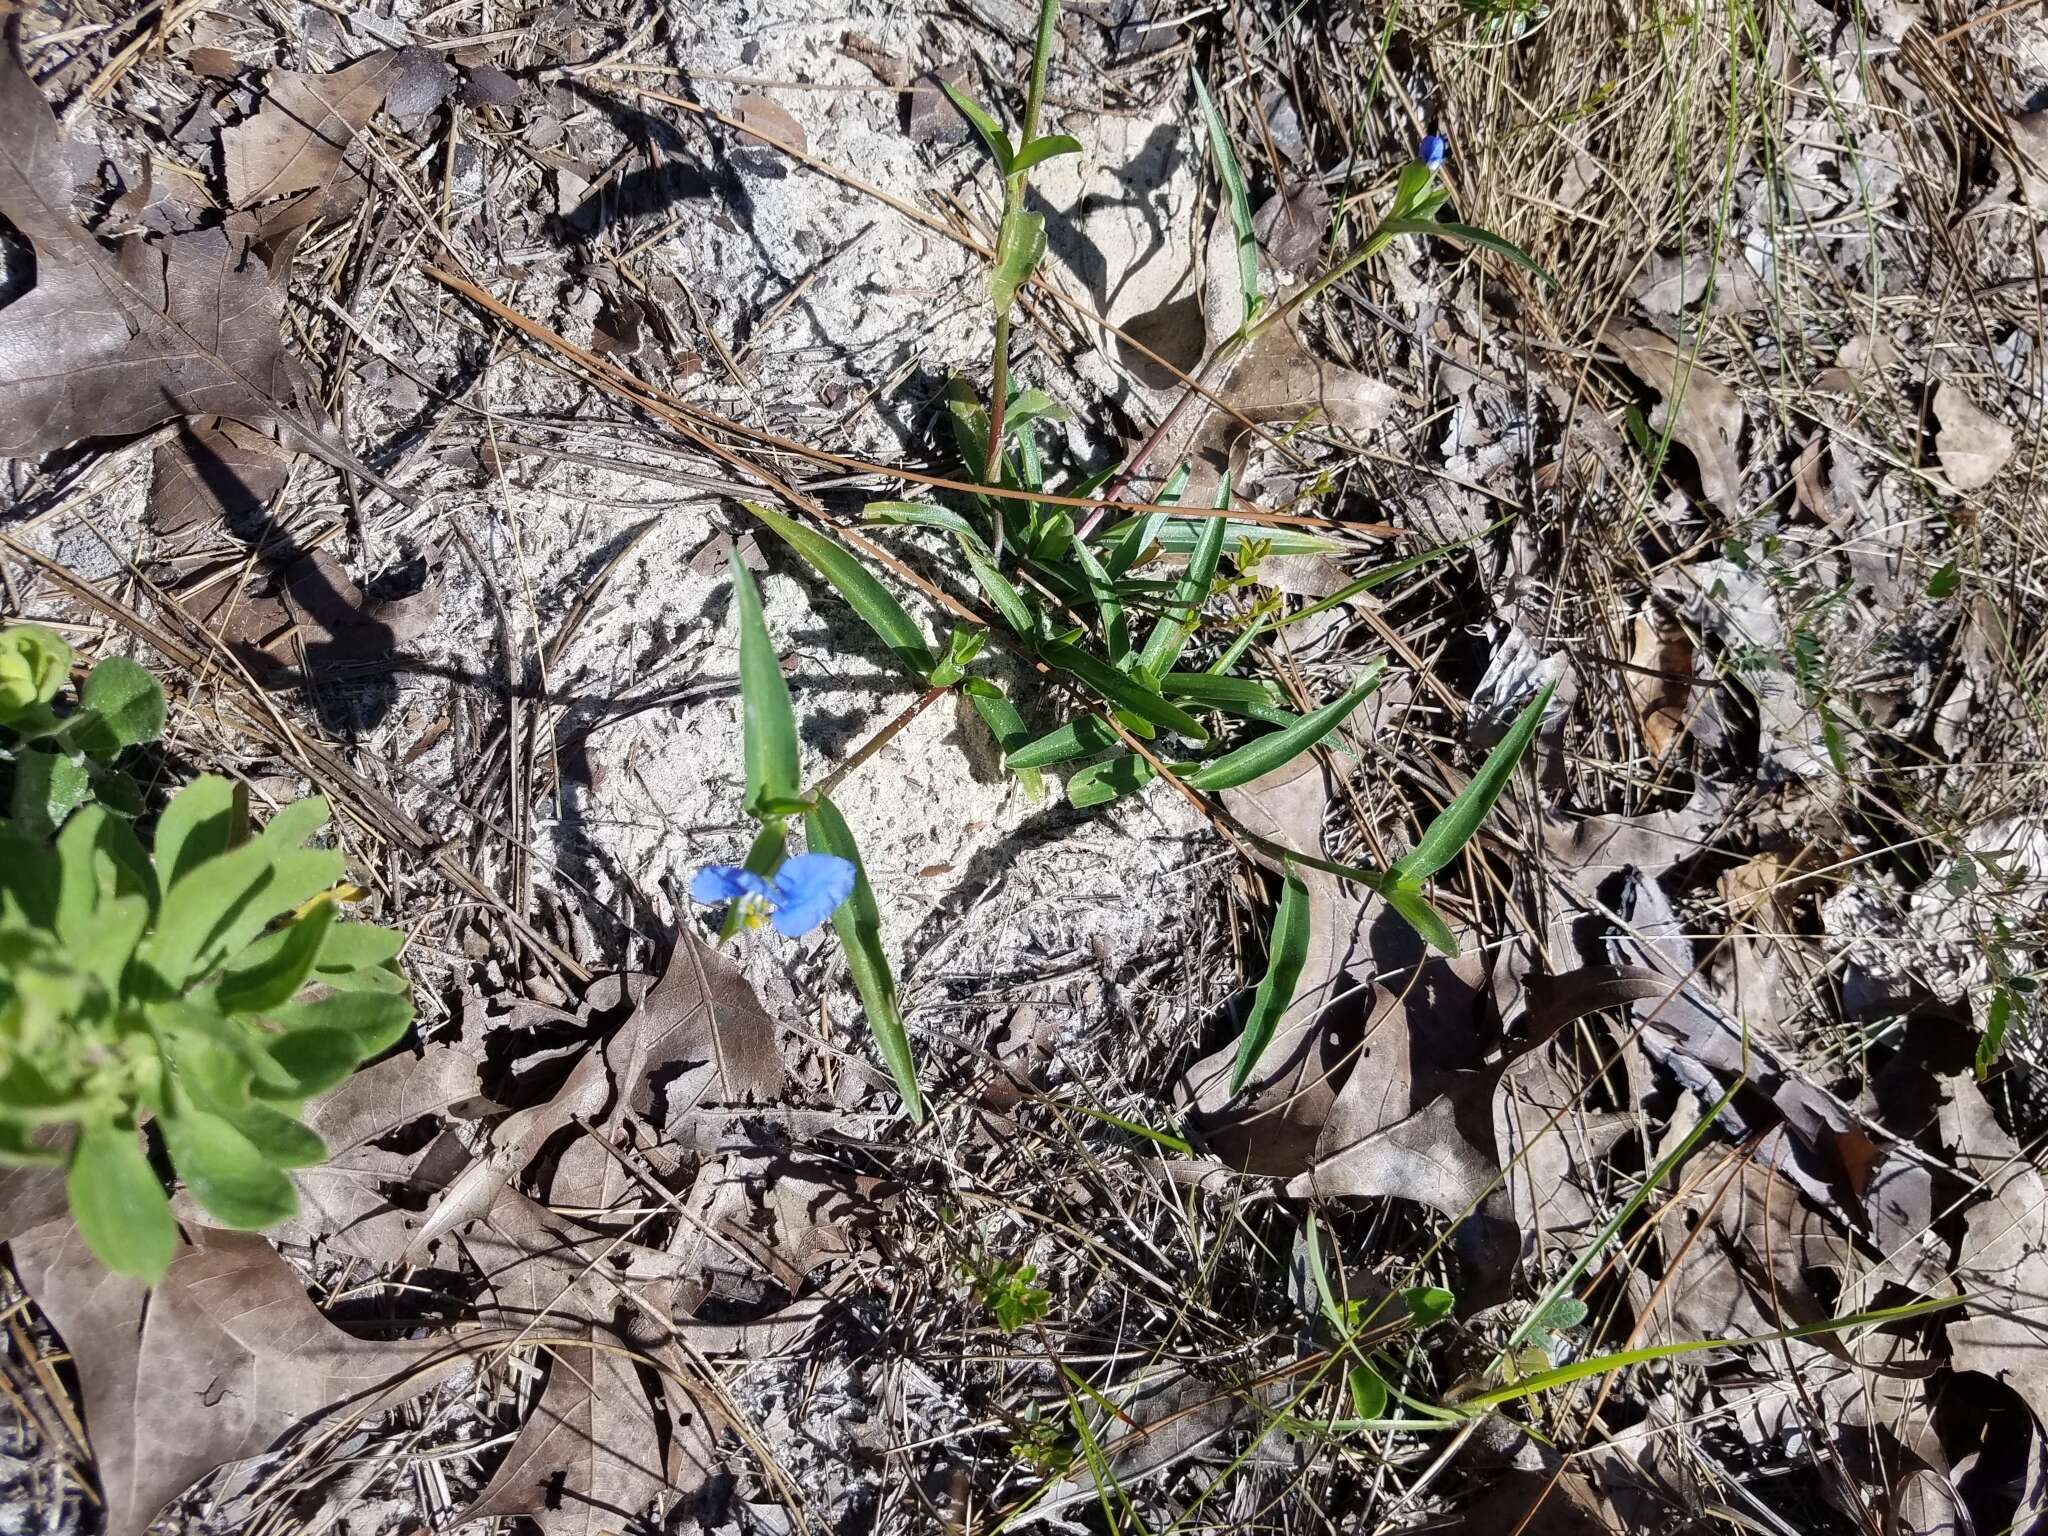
[62, 758]
[1005, 1287]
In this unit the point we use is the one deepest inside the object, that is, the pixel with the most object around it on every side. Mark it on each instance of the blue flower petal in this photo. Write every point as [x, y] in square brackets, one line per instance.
[726, 882]
[807, 890]
[1433, 150]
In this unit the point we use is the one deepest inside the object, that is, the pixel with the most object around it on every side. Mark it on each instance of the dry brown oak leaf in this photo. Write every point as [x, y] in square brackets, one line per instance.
[114, 340]
[215, 1364]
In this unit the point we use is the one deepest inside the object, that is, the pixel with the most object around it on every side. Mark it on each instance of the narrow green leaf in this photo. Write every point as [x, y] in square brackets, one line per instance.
[1459, 821]
[868, 597]
[1446, 230]
[125, 706]
[767, 722]
[858, 922]
[1122, 690]
[1007, 726]
[1247, 697]
[1078, 738]
[225, 1171]
[1240, 202]
[1997, 1020]
[1263, 754]
[119, 1204]
[991, 131]
[1286, 955]
[1019, 244]
[1180, 534]
[1163, 646]
[1042, 149]
[1116, 631]
[1415, 910]
[1100, 783]
[271, 971]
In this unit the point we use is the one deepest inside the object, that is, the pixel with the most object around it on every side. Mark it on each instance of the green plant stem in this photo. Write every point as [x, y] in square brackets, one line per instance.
[1013, 199]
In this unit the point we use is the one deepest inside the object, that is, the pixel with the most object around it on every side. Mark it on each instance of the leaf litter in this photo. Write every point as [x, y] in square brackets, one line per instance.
[1710, 856]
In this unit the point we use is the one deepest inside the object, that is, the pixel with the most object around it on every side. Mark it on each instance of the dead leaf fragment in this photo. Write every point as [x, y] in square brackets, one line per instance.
[1659, 681]
[211, 1366]
[298, 140]
[770, 118]
[114, 342]
[215, 470]
[1973, 446]
[1292, 225]
[1704, 414]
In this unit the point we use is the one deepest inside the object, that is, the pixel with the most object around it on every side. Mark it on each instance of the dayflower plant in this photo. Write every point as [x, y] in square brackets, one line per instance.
[795, 893]
[802, 893]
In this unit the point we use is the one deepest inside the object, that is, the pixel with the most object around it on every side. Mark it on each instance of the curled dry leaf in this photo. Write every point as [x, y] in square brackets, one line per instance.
[223, 1357]
[1659, 681]
[1703, 414]
[1972, 445]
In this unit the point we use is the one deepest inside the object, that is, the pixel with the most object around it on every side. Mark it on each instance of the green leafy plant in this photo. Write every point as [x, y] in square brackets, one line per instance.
[60, 758]
[1006, 1288]
[199, 991]
[774, 798]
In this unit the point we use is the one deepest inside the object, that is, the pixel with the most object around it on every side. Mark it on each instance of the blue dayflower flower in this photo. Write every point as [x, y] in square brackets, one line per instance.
[796, 898]
[1433, 150]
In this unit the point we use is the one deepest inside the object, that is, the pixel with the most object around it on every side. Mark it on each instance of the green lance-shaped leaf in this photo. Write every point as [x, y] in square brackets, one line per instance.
[1122, 690]
[1100, 783]
[1240, 202]
[981, 560]
[1286, 955]
[991, 131]
[118, 1203]
[852, 580]
[1415, 910]
[1446, 230]
[271, 971]
[1116, 631]
[1077, 738]
[1459, 821]
[858, 922]
[767, 722]
[1249, 697]
[1263, 754]
[1007, 726]
[1042, 149]
[1163, 646]
[1019, 244]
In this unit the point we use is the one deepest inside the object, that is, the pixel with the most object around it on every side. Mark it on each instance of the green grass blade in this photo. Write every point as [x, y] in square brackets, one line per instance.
[1121, 689]
[1447, 230]
[1263, 755]
[981, 561]
[1459, 821]
[1007, 726]
[1180, 535]
[1240, 202]
[858, 922]
[1415, 910]
[1078, 738]
[767, 723]
[1163, 646]
[1287, 954]
[1387, 573]
[869, 598]
[1600, 1365]
[1125, 544]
